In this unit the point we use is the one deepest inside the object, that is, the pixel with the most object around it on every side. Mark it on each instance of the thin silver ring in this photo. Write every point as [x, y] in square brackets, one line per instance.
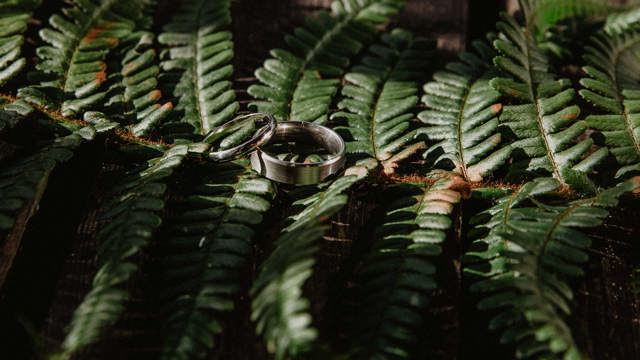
[301, 173]
[260, 137]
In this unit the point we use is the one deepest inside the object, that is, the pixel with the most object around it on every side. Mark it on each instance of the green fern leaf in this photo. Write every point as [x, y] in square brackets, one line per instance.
[72, 69]
[380, 94]
[543, 119]
[132, 94]
[525, 260]
[209, 242]
[131, 215]
[462, 116]
[612, 86]
[197, 67]
[13, 22]
[397, 275]
[278, 308]
[298, 84]
[620, 22]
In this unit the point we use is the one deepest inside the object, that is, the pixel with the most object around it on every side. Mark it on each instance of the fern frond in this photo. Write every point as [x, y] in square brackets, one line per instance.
[525, 260]
[197, 67]
[23, 181]
[132, 96]
[612, 86]
[209, 242]
[131, 215]
[397, 275]
[13, 23]
[298, 84]
[543, 119]
[280, 311]
[620, 22]
[380, 95]
[72, 68]
[543, 14]
[462, 116]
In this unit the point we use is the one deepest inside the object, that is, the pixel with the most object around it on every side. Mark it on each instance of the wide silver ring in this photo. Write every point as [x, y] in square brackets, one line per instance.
[260, 137]
[301, 173]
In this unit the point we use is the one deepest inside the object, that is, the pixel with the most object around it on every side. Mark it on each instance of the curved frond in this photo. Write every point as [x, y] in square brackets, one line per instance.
[299, 83]
[132, 96]
[71, 69]
[380, 96]
[280, 311]
[543, 120]
[13, 23]
[396, 278]
[197, 67]
[613, 87]
[462, 116]
[209, 242]
[524, 261]
[130, 216]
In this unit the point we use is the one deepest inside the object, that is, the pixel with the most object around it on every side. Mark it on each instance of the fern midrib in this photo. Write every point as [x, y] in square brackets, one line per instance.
[97, 16]
[463, 164]
[534, 97]
[374, 122]
[197, 79]
[620, 97]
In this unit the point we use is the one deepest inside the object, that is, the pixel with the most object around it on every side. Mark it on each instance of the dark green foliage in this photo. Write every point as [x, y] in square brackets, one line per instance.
[197, 68]
[129, 219]
[397, 275]
[133, 95]
[612, 86]
[380, 95]
[14, 16]
[544, 120]
[523, 259]
[278, 308]
[299, 83]
[543, 14]
[462, 116]
[23, 180]
[72, 68]
[208, 243]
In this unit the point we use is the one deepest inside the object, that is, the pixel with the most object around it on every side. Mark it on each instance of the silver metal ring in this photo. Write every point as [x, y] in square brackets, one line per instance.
[301, 173]
[260, 137]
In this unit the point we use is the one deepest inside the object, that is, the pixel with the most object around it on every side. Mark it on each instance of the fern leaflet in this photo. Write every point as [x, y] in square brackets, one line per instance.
[612, 86]
[462, 116]
[13, 23]
[525, 259]
[379, 96]
[72, 68]
[298, 84]
[210, 239]
[397, 274]
[543, 121]
[197, 67]
[131, 215]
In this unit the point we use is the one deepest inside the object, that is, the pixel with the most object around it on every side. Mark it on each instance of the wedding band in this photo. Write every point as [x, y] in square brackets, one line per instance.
[301, 173]
[260, 137]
